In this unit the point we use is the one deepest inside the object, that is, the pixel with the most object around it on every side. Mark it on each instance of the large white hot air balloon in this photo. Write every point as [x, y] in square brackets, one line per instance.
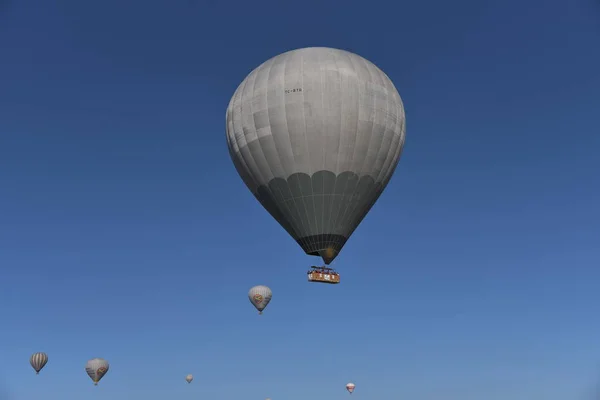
[260, 296]
[189, 378]
[316, 134]
[96, 368]
[38, 361]
[350, 387]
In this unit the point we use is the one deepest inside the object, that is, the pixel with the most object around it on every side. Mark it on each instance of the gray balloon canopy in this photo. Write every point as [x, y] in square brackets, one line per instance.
[316, 135]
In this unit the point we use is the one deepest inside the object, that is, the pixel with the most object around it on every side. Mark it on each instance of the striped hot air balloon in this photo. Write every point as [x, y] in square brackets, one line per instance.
[38, 361]
[260, 296]
[96, 368]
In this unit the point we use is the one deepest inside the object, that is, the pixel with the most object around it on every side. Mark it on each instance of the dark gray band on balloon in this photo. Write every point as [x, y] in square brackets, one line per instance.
[320, 211]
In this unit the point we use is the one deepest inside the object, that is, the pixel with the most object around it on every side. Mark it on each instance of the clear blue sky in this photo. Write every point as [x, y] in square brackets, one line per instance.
[126, 233]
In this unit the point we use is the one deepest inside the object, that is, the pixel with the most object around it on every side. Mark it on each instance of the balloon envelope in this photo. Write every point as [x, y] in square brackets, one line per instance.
[260, 296]
[350, 387]
[38, 361]
[189, 378]
[316, 134]
[96, 368]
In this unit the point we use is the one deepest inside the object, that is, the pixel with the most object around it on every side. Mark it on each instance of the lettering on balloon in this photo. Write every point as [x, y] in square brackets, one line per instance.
[295, 90]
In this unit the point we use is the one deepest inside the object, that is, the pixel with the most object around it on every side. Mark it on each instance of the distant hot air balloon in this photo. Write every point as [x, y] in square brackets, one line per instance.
[350, 387]
[189, 378]
[38, 361]
[316, 134]
[96, 368]
[260, 296]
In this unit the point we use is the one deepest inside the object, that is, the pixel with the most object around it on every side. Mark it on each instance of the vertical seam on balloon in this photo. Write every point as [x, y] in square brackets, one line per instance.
[289, 223]
[231, 140]
[256, 173]
[310, 241]
[249, 171]
[349, 56]
[346, 227]
[388, 99]
[395, 156]
[262, 151]
[342, 226]
[356, 209]
[389, 160]
[307, 241]
[244, 95]
[330, 236]
[313, 235]
[377, 192]
[324, 142]
[400, 120]
[240, 156]
[298, 234]
[269, 70]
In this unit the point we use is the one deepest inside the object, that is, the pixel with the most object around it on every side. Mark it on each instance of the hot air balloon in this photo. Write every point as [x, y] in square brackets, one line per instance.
[38, 361]
[189, 378]
[96, 368]
[350, 387]
[260, 296]
[316, 134]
